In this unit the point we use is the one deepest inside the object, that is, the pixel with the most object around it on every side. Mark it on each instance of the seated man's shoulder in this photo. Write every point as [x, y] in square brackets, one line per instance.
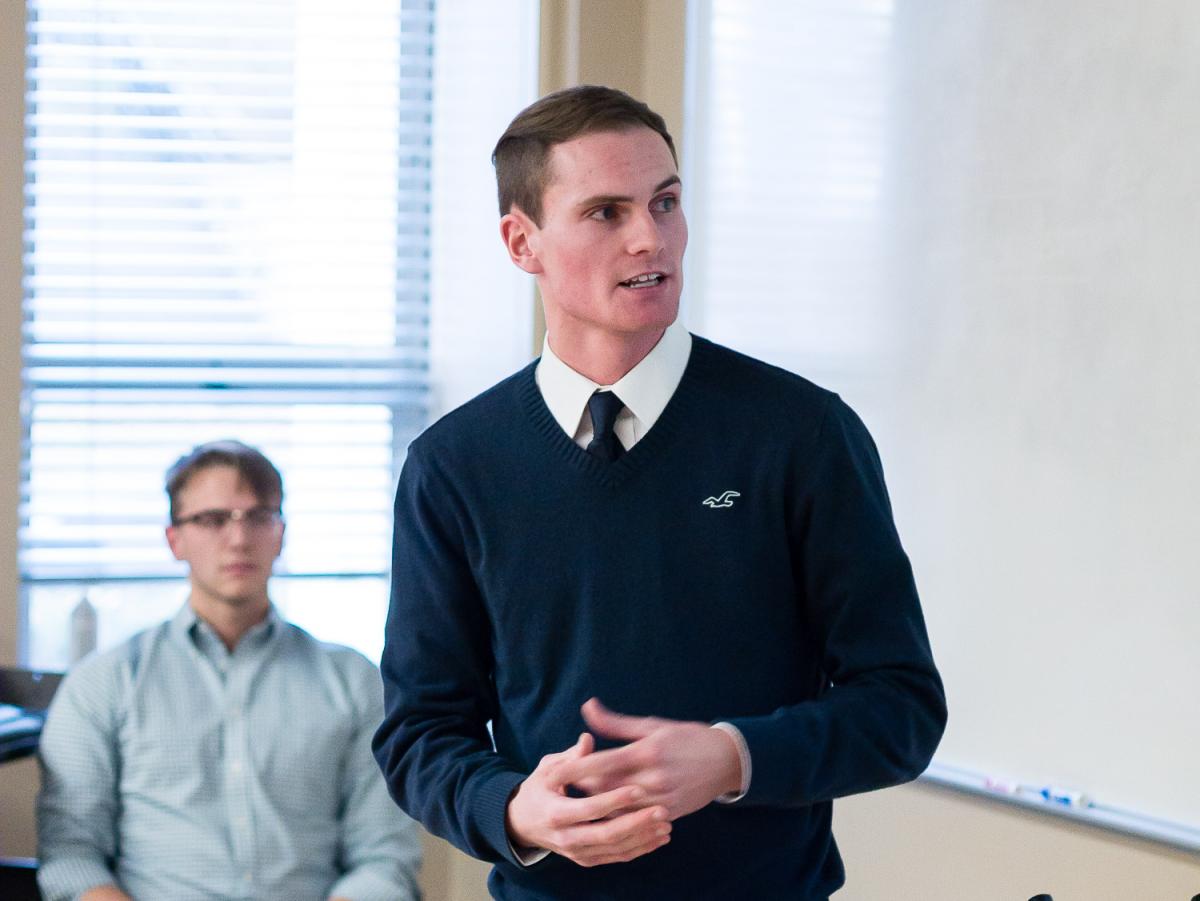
[348, 663]
[100, 680]
[337, 681]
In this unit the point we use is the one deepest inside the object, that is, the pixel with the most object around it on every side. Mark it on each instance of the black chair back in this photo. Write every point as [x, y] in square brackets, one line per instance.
[18, 879]
[31, 689]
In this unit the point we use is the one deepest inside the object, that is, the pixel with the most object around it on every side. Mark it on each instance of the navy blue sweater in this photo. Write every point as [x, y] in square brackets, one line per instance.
[529, 576]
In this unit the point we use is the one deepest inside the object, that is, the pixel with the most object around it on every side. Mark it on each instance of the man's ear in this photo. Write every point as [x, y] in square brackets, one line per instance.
[173, 541]
[519, 234]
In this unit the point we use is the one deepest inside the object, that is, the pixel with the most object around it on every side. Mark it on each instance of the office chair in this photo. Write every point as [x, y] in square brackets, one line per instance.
[18, 879]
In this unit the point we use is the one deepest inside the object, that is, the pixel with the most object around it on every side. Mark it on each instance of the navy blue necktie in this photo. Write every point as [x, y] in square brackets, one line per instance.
[604, 407]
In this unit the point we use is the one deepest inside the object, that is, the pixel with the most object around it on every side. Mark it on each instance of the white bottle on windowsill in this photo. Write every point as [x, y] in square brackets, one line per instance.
[83, 629]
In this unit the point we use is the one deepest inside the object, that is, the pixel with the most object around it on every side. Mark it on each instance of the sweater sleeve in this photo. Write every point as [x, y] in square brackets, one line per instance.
[434, 746]
[882, 712]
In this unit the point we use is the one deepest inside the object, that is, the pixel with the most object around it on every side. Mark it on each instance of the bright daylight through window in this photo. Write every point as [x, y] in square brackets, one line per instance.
[227, 235]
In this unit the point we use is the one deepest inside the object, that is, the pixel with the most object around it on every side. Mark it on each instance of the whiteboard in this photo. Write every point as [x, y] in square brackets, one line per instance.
[1013, 306]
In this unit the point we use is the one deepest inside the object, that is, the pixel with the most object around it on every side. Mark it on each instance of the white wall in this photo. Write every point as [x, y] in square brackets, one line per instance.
[923, 843]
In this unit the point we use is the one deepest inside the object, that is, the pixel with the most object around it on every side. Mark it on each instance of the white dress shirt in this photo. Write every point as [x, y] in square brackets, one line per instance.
[645, 389]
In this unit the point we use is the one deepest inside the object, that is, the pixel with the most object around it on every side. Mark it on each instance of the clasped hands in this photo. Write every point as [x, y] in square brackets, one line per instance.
[670, 768]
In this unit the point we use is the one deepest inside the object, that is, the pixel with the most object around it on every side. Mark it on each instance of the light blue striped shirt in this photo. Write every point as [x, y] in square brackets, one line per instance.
[179, 770]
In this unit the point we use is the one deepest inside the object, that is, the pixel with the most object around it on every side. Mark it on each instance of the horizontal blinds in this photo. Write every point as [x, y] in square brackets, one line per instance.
[787, 132]
[227, 236]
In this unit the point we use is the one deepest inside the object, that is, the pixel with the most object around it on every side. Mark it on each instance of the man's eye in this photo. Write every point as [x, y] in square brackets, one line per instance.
[212, 519]
[260, 516]
[604, 213]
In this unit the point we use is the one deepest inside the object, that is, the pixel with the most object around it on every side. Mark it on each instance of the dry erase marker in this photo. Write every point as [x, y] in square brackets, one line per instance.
[1065, 797]
[1001, 786]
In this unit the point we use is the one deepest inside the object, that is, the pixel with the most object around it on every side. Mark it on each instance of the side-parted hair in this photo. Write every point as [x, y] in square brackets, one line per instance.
[522, 155]
[257, 471]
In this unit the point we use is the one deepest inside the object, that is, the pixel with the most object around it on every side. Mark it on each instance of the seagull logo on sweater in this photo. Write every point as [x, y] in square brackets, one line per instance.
[725, 500]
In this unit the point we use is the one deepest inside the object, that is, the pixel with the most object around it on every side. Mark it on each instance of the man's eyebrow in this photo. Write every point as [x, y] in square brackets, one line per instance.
[604, 199]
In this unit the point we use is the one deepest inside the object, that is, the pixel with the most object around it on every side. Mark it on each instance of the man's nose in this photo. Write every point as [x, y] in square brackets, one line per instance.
[644, 234]
[237, 531]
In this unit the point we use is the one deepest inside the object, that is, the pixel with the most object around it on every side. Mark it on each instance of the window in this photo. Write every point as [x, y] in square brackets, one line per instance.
[785, 150]
[228, 234]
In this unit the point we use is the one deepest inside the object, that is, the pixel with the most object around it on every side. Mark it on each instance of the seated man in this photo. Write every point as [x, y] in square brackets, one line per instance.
[224, 753]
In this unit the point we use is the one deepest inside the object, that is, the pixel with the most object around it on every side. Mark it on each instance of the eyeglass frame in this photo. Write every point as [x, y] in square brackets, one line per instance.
[258, 518]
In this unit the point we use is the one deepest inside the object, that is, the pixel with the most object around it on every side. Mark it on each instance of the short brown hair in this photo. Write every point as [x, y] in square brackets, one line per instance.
[257, 471]
[522, 154]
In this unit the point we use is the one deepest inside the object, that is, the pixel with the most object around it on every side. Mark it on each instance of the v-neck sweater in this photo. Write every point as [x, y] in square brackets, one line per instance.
[739, 563]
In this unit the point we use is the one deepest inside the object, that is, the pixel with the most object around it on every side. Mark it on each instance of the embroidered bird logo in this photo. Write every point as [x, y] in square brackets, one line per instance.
[725, 500]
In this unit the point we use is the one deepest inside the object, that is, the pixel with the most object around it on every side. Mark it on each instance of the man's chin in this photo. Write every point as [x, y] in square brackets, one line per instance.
[241, 600]
[651, 317]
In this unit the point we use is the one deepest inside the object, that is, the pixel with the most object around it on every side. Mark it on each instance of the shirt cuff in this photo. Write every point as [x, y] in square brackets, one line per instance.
[530, 857]
[365, 885]
[743, 752]
[70, 877]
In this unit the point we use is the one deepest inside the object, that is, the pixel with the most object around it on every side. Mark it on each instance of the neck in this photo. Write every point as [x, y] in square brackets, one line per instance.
[230, 621]
[605, 358]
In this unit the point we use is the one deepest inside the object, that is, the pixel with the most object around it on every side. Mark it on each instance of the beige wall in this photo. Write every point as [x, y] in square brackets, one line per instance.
[925, 843]
[17, 780]
[12, 111]
[917, 842]
[633, 45]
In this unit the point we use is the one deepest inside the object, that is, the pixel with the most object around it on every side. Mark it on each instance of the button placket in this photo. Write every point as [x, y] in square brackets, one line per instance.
[237, 771]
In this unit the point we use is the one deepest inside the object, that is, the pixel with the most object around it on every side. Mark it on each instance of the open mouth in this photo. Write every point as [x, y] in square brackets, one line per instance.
[646, 280]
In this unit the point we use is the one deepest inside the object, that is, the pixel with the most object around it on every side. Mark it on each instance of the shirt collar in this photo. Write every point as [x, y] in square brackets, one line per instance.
[188, 627]
[645, 389]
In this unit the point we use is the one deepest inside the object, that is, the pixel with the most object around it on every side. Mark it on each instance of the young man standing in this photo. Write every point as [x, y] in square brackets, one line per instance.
[684, 554]
[225, 753]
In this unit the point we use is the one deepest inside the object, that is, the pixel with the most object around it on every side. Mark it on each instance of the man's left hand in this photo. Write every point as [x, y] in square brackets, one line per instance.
[681, 765]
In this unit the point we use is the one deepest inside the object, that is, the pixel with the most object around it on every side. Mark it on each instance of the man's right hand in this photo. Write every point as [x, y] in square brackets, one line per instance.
[104, 893]
[606, 828]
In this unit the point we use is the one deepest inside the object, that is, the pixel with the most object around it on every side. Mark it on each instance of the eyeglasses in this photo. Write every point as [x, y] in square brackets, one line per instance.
[256, 518]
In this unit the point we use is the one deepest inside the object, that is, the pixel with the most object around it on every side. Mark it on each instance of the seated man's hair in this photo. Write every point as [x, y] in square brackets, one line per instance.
[257, 471]
[522, 154]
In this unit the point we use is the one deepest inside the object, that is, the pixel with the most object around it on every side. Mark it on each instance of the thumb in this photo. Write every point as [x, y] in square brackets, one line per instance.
[616, 725]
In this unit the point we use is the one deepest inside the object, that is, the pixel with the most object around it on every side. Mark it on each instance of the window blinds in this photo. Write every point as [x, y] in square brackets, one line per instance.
[227, 236]
[787, 135]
